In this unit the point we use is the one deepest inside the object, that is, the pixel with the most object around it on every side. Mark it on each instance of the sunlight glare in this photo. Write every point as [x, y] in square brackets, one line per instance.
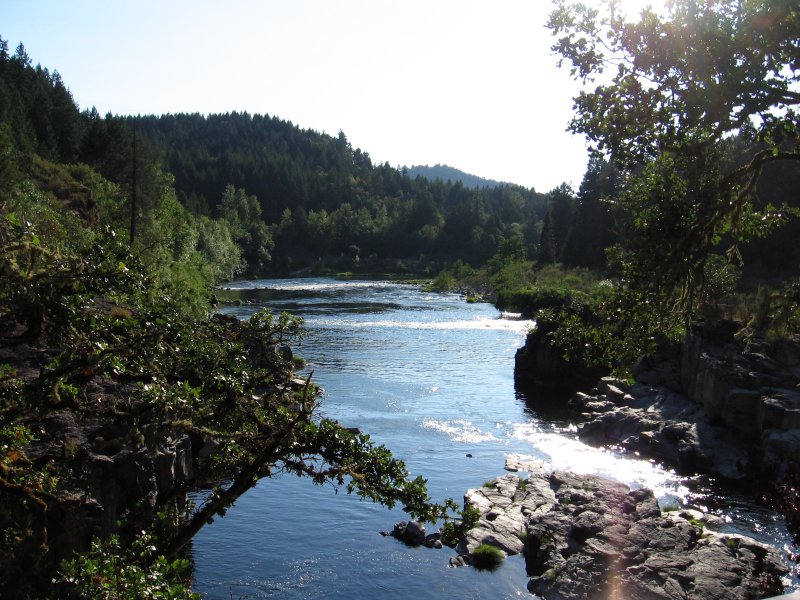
[632, 8]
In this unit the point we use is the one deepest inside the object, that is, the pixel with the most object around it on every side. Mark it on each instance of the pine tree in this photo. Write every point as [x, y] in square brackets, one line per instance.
[547, 242]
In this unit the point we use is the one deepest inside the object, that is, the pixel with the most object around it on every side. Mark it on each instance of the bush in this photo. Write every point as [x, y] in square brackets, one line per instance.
[454, 531]
[487, 557]
[443, 282]
[110, 571]
[533, 298]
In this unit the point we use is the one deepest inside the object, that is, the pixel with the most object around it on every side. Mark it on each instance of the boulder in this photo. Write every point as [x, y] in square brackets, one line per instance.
[502, 520]
[410, 532]
[658, 423]
[541, 364]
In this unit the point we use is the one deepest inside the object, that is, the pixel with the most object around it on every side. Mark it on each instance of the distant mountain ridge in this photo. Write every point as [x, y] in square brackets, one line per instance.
[451, 174]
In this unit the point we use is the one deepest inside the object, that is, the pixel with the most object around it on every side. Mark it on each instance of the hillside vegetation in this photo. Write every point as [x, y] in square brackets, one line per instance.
[119, 392]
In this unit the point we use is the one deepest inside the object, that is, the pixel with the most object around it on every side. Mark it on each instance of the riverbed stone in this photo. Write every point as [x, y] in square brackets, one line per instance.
[502, 518]
[591, 537]
[410, 532]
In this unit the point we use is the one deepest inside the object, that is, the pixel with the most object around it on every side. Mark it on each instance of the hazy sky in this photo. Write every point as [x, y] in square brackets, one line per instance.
[470, 84]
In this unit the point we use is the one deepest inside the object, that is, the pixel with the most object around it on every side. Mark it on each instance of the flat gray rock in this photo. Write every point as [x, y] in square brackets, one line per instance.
[588, 537]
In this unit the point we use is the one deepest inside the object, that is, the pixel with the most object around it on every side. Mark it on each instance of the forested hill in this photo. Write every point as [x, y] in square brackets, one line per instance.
[287, 197]
[263, 195]
[447, 173]
[323, 198]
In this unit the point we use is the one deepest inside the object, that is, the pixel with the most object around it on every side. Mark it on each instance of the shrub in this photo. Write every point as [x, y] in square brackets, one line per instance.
[487, 557]
[443, 282]
[110, 571]
[533, 298]
[454, 531]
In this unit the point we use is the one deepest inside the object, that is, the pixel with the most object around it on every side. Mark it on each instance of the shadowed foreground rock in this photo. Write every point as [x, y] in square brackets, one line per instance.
[586, 537]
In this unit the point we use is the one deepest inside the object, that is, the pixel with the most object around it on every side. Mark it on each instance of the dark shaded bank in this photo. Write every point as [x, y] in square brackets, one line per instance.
[541, 365]
[715, 406]
[101, 457]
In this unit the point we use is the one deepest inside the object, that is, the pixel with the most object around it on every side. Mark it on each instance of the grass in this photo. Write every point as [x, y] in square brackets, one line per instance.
[487, 557]
[697, 523]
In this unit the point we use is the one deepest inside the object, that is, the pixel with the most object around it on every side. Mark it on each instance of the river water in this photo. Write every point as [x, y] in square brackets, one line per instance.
[431, 377]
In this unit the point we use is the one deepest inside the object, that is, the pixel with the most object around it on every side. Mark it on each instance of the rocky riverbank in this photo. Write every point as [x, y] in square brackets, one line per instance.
[717, 407]
[587, 537]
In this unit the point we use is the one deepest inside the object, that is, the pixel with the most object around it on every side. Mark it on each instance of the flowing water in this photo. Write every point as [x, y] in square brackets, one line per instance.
[431, 377]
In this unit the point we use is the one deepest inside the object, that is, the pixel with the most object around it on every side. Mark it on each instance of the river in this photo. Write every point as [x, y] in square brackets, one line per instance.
[431, 377]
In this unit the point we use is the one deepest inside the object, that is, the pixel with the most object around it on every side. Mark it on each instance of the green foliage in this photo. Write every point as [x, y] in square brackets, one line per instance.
[40, 219]
[533, 298]
[459, 275]
[511, 275]
[774, 314]
[242, 213]
[216, 245]
[697, 523]
[38, 108]
[487, 557]
[453, 531]
[14, 437]
[659, 93]
[611, 330]
[671, 121]
[547, 242]
[594, 227]
[443, 282]
[522, 288]
[318, 199]
[720, 278]
[134, 321]
[110, 571]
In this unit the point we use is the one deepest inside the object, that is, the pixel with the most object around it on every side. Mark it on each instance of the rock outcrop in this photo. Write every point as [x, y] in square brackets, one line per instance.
[413, 533]
[540, 364]
[658, 423]
[586, 537]
[716, 407]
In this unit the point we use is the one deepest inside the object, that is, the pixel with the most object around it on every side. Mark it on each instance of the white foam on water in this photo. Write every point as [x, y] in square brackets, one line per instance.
[567, 453]
[459, 430]
[520, 327]
[303, 285]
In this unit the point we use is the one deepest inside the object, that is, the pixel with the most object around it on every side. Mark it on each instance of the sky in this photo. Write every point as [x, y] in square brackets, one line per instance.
[470, 84]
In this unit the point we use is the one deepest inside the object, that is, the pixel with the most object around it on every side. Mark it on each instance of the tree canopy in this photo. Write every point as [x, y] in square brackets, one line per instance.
[691, 103]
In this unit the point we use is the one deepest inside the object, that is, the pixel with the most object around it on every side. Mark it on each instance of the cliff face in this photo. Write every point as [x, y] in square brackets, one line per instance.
[715, 406]
[755, 392]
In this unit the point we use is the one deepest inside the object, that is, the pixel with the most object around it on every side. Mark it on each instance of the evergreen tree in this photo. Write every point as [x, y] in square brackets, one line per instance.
[593, 227]
[547, 241]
